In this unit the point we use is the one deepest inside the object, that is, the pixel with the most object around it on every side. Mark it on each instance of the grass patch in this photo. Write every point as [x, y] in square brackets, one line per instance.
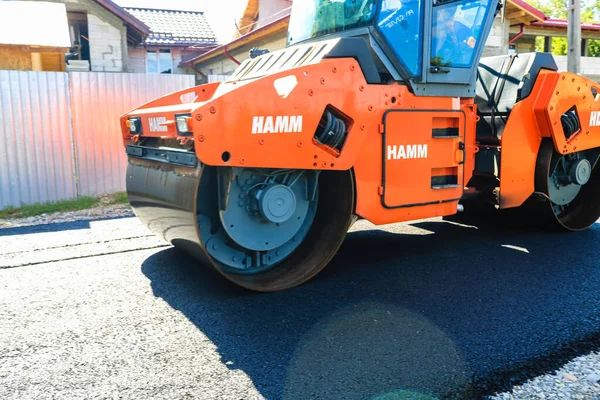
[118, 198]
[82, 203]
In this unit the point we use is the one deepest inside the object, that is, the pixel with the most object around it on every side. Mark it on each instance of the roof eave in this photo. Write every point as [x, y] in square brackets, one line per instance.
[191, 46]
[536, 14]
[125, 16]
[562, 24]
[261, 32]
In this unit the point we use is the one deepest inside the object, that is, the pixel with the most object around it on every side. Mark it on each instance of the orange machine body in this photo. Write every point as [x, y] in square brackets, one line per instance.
[539, 116]
[411, 156]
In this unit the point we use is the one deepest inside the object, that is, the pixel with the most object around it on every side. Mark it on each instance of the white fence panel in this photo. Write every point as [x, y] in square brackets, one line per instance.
[36, 155]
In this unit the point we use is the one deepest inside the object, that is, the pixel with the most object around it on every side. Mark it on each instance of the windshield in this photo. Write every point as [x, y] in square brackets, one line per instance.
[401, 24]
[312, 18]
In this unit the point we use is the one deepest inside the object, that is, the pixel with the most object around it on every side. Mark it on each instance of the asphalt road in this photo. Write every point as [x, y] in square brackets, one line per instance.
[102, 309]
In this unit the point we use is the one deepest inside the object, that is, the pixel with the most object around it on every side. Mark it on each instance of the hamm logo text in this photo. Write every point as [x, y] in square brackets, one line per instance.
[401, 152]
[279, 124]
[156, 124]
[595, 118]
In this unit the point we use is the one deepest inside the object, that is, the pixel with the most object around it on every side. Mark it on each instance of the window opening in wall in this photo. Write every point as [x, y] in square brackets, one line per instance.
[80, 43]
[159, 62]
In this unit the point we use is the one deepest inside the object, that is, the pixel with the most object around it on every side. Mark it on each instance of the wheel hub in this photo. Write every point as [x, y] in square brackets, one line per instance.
[277, 203]
[569, 173]
[580, 172]
[267, 214]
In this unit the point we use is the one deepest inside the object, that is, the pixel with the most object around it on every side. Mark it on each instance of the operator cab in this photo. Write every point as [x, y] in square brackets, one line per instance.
[433, 46]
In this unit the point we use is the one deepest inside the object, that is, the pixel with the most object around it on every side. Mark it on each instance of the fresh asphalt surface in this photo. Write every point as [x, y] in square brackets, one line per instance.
[103, 309]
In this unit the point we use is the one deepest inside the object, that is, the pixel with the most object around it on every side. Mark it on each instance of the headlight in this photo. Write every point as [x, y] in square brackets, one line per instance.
[183, 123]
[135, 125]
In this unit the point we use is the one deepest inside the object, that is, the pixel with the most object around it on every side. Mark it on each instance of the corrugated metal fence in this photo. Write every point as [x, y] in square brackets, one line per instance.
[36, 155]
[59, 132]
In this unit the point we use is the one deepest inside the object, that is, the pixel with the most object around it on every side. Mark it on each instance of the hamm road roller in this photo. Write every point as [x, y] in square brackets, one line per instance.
[382, 110]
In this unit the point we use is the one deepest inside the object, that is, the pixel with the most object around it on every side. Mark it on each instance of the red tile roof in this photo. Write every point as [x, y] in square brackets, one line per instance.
[542, 20]
[175, 28]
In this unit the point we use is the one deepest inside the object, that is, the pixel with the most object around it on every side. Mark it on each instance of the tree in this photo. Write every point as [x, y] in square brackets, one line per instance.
[591, 13]
[552, 8]
[558, 9]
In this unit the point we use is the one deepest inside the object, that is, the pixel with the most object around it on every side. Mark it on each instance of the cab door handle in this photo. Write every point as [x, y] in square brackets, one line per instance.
[437, 70]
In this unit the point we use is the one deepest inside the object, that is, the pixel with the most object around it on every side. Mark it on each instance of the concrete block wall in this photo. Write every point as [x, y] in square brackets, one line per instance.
[590, 66]
[106, 45]
[525, 45]
[497, 41]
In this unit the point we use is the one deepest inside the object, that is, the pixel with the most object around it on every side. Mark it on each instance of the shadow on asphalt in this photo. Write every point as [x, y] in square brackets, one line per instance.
[457, 312]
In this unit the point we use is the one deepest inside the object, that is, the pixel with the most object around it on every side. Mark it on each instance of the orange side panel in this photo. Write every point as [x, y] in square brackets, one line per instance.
[440, 122]
[257, 125]
[470, 138]
[410, 181]
[519, 147]
[568, 91]
[412, 156]
[445, 171]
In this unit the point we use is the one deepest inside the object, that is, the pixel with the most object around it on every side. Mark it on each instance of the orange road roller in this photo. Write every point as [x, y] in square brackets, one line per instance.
[381, 110]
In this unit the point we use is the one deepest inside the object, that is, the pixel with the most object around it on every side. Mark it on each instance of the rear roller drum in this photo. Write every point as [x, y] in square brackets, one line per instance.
[570, 186]
[269, 230]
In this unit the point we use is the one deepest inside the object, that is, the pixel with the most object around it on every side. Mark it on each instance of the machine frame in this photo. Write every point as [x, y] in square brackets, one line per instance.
[330, 116]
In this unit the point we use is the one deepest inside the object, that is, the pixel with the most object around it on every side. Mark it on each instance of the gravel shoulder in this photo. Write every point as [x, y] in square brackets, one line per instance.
[99, 212]
[579, 379]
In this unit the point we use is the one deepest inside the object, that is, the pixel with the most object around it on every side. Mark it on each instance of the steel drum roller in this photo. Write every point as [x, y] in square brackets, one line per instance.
[188, 207]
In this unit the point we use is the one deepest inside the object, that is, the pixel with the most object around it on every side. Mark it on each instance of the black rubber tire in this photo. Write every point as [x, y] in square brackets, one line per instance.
[327, 233]
[581, 213]
[537, 213]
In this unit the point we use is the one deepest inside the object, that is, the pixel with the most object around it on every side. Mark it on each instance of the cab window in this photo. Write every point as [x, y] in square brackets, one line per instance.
[313, 18]
[456, 31]
[399, 21]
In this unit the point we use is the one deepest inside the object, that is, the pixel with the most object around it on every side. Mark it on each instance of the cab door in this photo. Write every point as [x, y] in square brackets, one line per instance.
[459, 30]
[423, 154]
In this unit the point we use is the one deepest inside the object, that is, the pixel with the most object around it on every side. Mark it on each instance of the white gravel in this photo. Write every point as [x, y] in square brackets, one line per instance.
[99, 212]
[578, 379]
